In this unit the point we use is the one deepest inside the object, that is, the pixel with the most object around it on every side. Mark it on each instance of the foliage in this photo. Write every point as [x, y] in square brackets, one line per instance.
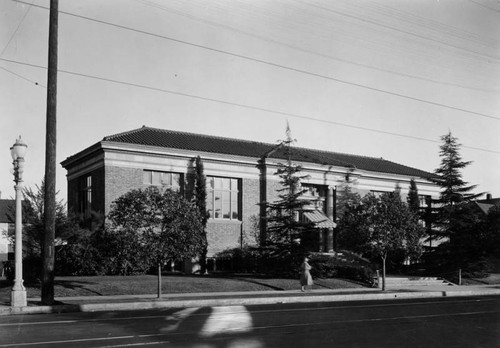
[161, 226]
[33, 219]
[200, 201]
[381, 227]
[476, 238]
[394, 227]
[449, 177]
[345, 197]
[413, 199]
[286, 233]
[256, 260]
[34, 228]
[354, 225]
[464, 229]
[344, 265]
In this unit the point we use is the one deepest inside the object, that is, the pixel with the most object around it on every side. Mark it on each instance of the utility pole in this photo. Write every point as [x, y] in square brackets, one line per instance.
[48, 252]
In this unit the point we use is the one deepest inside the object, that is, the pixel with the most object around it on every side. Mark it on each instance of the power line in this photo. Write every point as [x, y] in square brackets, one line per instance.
[22, 77]
[273, 64]
[17, 28]
[431, 24]
[484, 6]
[8, 43]
[398, 30]
[251, 107]
[300, 49]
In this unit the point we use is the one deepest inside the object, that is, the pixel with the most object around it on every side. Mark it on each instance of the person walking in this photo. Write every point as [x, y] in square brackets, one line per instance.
[305, 275]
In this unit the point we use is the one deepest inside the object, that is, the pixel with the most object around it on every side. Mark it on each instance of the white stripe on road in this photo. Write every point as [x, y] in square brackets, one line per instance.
[224, 319]
[248, 328]
[235, 312]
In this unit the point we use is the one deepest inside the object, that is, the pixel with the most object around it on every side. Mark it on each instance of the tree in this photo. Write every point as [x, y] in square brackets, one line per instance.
[354, 225]
[450, 217]
[413, 199]
[34, 223]
[449, 177]
[200, 200]
[34, 228]
[345, 196]
[381, 227]
[168, 227]
[394, 229]
[286, 233]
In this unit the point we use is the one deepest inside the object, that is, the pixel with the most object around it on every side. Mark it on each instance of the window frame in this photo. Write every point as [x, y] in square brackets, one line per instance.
[161, 181]
[85, 195]
[229, 196]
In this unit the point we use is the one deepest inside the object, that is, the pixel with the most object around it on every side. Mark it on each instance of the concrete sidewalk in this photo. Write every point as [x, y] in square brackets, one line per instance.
[134, 302]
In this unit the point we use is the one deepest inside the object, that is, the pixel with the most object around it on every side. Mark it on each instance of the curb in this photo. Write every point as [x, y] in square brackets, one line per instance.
[213, 302]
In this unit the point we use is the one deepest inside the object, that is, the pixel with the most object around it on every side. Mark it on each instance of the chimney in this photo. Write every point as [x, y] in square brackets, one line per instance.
[488, 197]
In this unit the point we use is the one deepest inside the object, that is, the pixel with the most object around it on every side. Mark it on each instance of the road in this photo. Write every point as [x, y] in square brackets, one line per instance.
[438, 322]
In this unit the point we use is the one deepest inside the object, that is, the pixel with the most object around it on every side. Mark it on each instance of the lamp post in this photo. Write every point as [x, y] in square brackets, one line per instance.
[18, 293]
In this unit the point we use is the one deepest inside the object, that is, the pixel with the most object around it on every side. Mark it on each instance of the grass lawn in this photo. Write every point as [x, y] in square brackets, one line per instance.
[147, 284]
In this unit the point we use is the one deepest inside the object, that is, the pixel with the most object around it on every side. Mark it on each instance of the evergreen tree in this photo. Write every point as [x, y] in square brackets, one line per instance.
[449, 176]
[345, 197]
[413, 199]
[454, 190]
[452, 216]
[200, 200]
[287, 234]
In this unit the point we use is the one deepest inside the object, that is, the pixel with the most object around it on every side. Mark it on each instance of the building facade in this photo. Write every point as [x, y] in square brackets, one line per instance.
[7, 225]
[240, 175]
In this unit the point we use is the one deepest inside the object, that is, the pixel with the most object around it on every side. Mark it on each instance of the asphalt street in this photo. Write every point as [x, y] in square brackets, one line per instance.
[433, 322]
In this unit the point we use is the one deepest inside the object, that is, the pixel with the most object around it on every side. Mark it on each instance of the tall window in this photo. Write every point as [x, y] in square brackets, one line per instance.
[164, 179]
[223, 198]
[85, 195]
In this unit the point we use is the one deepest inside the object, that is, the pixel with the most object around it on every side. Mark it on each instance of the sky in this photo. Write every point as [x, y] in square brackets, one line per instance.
[381, 78]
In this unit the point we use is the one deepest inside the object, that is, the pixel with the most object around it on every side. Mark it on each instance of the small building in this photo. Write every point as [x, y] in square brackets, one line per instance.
[484, 205]
[240, 176]
[7, 226]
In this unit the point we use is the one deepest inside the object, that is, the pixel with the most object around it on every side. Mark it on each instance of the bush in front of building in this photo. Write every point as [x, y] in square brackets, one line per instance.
[263, 261]
[343, 265]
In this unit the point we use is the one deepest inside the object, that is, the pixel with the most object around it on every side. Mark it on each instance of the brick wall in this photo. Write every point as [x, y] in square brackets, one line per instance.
[119, 181]
[250, 210]
[222, 235]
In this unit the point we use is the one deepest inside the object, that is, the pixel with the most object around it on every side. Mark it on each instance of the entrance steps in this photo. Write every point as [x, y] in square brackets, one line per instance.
[404, 282]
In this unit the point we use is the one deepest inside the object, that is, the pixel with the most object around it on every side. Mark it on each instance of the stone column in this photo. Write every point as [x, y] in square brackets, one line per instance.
[329, 210]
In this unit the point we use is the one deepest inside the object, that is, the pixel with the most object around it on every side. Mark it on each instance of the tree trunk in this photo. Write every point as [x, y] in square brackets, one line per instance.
[383, 272]
[159, 280]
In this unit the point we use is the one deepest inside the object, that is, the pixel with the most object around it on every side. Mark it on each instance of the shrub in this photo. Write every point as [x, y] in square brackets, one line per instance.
[344, 265]
[267, 261]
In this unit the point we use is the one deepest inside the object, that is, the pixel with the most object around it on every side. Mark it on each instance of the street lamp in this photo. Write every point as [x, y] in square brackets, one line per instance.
[18, 293]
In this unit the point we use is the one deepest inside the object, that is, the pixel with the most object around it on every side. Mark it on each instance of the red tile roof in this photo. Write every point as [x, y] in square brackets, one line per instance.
[228, 146]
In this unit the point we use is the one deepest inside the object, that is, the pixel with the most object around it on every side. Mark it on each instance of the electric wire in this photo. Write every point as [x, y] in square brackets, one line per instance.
[323, 8]
[246, 106]
[22, 77]
[241, 56]
[484, 6]
[8, 43]
[425, 23]
[300, 49]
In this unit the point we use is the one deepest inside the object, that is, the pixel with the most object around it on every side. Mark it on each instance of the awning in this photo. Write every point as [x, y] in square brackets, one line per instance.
[319, 219]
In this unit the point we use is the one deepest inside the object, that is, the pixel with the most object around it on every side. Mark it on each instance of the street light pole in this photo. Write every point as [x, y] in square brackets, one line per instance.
[18, 293]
